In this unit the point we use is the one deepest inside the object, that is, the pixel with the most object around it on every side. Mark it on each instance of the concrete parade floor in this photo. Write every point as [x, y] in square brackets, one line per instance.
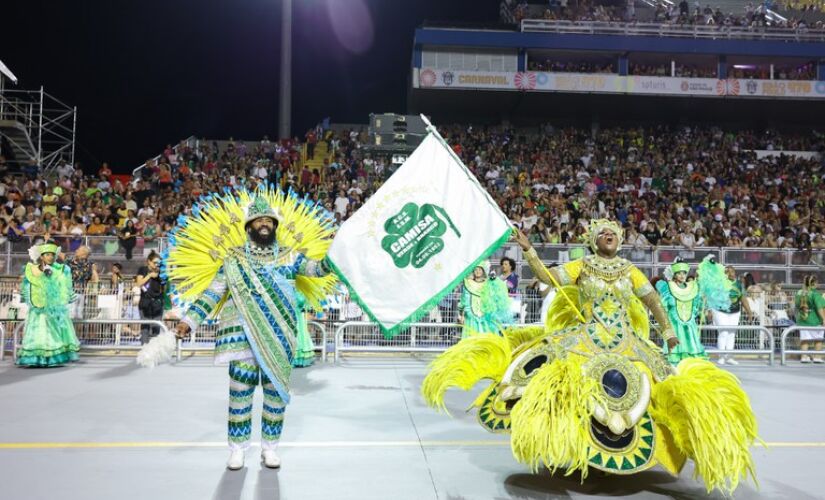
[107, 429]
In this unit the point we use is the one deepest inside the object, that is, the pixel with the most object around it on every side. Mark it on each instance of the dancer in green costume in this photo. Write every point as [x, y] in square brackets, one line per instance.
[304, 349]
[485, 305]
[685, 301]
[49, 338]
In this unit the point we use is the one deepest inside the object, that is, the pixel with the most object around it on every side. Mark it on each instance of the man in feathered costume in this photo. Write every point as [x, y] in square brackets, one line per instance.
[233, 260]
[590, 390]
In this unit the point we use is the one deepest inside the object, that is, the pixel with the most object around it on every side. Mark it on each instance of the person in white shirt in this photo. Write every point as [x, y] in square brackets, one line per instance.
[65, 170]
[341, 204]
[261, 172]
[530, 220]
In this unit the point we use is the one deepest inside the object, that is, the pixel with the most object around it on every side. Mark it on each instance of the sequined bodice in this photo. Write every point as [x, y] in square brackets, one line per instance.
[606, 291]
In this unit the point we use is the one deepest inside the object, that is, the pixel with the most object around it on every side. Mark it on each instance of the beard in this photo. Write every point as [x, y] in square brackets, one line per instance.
[261, 240]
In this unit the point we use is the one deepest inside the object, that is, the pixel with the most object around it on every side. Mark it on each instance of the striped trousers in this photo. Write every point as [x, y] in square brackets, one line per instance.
[244, 376]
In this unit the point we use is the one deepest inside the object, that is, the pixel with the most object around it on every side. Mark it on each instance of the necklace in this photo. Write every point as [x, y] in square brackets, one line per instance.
[607, 269]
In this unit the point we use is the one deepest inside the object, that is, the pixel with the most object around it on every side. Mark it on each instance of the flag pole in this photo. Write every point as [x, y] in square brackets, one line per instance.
[432, 130]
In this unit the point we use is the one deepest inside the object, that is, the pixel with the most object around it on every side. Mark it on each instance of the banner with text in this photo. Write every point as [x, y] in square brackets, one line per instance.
[537, 81]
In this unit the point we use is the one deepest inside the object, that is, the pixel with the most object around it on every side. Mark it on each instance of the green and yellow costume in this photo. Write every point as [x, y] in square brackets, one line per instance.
[687, 303]
[485, 304]
[304, 349]
[249, 290]
[49, 338]
[598, 393]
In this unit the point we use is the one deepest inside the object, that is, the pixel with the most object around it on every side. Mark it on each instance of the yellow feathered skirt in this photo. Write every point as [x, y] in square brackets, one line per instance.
[571, 404]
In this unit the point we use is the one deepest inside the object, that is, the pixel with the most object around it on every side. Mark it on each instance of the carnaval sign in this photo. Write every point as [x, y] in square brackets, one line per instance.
[609, 83]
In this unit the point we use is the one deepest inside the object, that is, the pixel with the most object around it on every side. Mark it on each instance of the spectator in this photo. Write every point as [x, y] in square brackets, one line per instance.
[84, 272]
[311, 139]
[810, 307]
[151, 295]
[116, 277]
[128, 238]
[508, 274]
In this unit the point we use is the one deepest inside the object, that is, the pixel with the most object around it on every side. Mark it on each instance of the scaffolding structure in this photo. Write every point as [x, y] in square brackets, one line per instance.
[37, 130]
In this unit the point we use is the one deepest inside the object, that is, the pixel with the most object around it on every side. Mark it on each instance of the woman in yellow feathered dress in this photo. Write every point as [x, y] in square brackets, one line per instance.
[591, 390]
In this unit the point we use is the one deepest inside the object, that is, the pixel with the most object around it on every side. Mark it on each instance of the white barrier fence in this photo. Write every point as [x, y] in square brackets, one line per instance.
[107, 318]
[795, 330]
[365, 336]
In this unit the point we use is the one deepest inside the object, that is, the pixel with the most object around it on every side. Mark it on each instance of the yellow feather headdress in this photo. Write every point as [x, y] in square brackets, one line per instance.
[200, 241]
[597, 225]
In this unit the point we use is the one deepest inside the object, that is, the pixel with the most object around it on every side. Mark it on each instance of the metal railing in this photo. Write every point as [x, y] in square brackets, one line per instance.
[750, 340]
[2, 341]
[190, 142]
[672, 30]
[117, 345]
[318, 341]
[786, 265]
[365, 336]
[783, 342]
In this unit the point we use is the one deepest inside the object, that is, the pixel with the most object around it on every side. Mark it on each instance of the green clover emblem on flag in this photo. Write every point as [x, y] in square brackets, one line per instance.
[414, 234]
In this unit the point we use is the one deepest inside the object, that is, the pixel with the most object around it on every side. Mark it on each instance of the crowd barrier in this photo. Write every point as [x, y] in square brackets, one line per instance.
[750, 340]
[365, 336]
[783, 342]
[786, 266]
[107, 318]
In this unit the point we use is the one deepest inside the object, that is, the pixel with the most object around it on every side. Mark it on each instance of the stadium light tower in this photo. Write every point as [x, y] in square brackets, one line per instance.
[285, 102]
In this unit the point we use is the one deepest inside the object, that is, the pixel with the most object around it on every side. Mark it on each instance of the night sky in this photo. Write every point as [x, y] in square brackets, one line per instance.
[147, 73]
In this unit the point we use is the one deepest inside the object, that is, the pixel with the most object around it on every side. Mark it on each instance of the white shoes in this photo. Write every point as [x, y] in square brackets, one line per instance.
[818, 360]
[721, 361]
[732, 361]
[235, 461]
[805, 359]
[270, 459]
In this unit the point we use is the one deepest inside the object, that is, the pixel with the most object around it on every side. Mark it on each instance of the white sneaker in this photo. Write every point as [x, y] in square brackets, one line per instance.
[236, 460]
[805, 359]
[721, 361]
[732, 361]
[818, 360]
[270, 459]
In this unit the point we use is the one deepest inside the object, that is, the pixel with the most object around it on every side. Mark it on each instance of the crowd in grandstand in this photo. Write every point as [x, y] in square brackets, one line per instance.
[755, 14]
[687, 186]
[569, 66]
[804, 5]
[673, 187]
[799, 72]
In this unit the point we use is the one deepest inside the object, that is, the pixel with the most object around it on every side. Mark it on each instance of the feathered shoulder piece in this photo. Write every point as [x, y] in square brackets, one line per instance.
[714, 285]
[199, 243]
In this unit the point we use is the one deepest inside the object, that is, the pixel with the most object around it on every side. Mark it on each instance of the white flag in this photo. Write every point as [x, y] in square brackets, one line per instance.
[416, 238]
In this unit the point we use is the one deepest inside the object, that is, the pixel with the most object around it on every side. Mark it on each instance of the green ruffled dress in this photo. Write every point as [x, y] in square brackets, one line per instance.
[486, 307]
[49, 338]
[304, 348]
[683, 304]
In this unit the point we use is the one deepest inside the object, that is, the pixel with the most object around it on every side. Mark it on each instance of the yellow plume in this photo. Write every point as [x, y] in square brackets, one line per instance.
[711, 421]
[200, 241]
[563, 313]
[550, 425]
[463, 365]
[520, 335]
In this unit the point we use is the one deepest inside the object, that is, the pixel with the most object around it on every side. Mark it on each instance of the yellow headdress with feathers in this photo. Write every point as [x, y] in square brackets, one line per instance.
[199, 243]
[597, 226]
